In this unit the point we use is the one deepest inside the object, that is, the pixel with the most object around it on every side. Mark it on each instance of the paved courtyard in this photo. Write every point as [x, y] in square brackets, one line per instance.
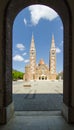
[41, 96]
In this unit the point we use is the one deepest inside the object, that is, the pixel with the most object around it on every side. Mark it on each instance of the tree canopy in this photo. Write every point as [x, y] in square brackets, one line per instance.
[17, 75]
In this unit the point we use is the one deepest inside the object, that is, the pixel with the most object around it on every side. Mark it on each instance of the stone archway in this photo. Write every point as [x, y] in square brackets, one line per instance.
[12, 10]
[43, 77]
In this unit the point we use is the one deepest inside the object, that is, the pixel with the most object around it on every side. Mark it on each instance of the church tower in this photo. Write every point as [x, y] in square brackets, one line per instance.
[32, 58]
[52, 64]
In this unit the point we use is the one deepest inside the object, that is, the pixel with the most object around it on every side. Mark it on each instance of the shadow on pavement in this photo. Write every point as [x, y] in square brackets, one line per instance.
[37, 102]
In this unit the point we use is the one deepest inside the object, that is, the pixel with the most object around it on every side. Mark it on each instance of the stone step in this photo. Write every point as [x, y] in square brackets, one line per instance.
[38, 113]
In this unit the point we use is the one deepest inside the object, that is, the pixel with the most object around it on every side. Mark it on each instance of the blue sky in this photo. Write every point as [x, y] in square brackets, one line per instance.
[42, 22]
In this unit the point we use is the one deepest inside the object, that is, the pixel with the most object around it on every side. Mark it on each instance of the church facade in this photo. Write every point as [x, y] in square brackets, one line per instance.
[41, 71]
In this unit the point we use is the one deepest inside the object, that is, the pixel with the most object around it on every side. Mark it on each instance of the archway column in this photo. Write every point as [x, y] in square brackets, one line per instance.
[72, 90]
[68, 86]
[6, 104]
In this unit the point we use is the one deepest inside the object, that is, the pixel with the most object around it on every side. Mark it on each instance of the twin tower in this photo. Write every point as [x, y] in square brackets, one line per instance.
[41, 71]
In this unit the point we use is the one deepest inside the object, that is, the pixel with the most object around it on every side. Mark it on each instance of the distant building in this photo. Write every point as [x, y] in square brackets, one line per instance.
[41, 71]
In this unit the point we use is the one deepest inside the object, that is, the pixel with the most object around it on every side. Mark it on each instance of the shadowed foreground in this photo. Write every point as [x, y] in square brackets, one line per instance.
[41, 96]
[37, 121]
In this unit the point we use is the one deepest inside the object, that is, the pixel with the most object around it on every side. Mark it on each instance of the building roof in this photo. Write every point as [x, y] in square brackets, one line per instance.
[41, 62]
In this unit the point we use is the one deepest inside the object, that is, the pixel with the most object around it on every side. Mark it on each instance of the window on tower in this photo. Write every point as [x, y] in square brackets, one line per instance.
[53, 52]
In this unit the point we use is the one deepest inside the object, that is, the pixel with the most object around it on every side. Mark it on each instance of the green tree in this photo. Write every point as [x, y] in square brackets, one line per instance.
[17, 75]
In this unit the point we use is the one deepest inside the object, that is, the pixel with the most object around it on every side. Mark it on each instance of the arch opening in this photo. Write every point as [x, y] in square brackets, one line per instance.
[37, 41]
[10, 15]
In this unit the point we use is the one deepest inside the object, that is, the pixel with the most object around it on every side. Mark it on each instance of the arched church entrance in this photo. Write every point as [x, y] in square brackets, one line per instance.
[43, 77]
[12, 10]
[39, 77]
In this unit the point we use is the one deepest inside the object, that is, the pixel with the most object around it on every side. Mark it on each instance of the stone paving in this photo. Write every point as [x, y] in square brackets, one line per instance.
[37, 122]
[41, 96]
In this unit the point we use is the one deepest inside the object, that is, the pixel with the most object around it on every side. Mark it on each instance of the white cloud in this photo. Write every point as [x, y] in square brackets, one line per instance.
[58, 50]
[25, 21]
[40, 11]
[26, 61]
[24, 54]
[20, 46]
[18, 58]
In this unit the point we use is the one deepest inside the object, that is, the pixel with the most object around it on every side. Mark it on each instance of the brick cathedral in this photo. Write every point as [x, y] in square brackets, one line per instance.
[41, 71]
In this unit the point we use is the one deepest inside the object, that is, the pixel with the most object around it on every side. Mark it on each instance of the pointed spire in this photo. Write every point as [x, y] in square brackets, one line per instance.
[32, 43]
[53, 43]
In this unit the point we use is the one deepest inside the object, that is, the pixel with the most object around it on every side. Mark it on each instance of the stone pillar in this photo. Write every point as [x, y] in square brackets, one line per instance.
[6, 105]
[71, 84]
[68, 85]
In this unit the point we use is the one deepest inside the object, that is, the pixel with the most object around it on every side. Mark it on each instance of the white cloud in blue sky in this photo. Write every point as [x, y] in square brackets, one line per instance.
[26, 61]
[24, 54]
[20, 46]
[37, 12]
[58, 50]
[18, 58]
[25, 21]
